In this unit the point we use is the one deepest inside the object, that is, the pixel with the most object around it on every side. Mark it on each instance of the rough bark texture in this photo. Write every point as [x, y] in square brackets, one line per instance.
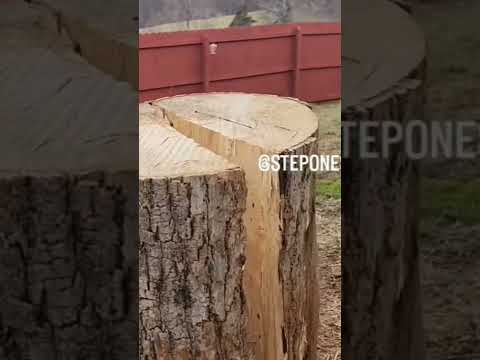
[298, 260]
[68, 267]
[192, 254]
[380, 263]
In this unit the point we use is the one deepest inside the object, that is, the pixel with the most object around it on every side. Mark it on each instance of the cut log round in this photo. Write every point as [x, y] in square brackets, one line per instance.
[68, 214]
[382, 313]
[278, 282]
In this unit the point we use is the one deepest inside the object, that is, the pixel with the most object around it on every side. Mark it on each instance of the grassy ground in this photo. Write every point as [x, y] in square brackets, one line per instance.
[451, 201]
[451, 190]
[454, 50]
[329, 189]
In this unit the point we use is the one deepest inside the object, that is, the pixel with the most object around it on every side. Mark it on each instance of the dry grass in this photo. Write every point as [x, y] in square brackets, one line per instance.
[329, 245]
[329, 127]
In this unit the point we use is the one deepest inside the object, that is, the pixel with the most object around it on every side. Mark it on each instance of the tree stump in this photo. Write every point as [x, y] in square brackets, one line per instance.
[382, 312]
[68, 209]
[253, 295]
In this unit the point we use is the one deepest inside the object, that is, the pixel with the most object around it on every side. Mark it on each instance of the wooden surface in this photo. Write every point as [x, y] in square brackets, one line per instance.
[167, 153]
[103, 32]
[68, 189]
[297, 60]
[263, 121]
[45, 127]
[192, 249]
[381, 45]
[384, 58]
[279, 281]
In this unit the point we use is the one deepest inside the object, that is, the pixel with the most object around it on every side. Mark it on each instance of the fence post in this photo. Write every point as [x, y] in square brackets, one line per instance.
[206, 63]
[296, 71]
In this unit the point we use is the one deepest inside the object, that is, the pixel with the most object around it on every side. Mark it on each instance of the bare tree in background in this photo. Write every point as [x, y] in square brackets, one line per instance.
[156, 12]
[280, 8]
[187, 10]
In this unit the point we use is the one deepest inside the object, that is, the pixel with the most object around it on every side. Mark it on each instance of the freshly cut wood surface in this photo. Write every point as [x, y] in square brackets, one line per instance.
[381, 45]
[165, 153]
[270, 122]
[46, 129]
[27, 26]
[149, 114]
[279, 279]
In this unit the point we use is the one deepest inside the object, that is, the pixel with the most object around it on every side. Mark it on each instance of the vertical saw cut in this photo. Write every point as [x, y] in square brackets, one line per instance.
[279, 280]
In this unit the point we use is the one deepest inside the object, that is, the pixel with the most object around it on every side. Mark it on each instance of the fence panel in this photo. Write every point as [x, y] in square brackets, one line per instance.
[298, 60]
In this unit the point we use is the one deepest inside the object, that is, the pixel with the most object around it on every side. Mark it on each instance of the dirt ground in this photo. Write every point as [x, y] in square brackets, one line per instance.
[451, 192]
[328, 219]
[329, 240]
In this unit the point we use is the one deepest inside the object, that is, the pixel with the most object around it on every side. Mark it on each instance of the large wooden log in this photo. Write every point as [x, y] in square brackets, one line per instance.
[382, 312]
[279, 280]
[68, 209]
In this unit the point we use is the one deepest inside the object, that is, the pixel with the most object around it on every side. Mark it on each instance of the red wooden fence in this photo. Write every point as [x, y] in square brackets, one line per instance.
[297, 60]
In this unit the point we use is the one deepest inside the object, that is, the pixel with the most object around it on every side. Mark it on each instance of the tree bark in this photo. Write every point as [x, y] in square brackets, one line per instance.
[68, 268]
[381, 294]
[298, 260]
[382, 311]
[192, 252]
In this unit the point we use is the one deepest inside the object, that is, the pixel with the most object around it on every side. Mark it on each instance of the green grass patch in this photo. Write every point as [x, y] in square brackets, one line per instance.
[329, 189]
[451, 200]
